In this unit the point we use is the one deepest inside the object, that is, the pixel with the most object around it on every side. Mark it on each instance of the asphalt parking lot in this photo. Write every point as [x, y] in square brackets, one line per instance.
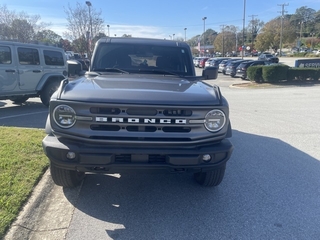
[270, 190]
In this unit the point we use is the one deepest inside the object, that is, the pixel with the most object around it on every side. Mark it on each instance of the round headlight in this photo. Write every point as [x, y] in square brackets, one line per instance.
[64, 116]
[215, 120]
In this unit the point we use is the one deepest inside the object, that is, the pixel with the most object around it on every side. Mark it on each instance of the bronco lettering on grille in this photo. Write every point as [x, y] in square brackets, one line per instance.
[141, 120]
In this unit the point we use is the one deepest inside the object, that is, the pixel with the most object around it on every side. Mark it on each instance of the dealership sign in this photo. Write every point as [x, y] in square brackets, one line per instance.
[307, 63]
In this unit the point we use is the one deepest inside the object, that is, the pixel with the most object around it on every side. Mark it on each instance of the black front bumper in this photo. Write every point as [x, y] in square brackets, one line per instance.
[115, 159]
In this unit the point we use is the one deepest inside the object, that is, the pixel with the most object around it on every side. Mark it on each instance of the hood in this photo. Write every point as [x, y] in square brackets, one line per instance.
[141, 89]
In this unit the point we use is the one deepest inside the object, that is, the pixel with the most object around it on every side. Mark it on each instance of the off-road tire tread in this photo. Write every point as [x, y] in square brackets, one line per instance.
[47, 92]
[65, 178]
[210, 178]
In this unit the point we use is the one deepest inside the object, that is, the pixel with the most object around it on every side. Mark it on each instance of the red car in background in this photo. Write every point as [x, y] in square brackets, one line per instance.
[202, 62]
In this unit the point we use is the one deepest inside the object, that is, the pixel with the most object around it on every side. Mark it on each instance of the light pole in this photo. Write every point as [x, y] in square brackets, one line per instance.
[173, 36]
[108, 30]
[90, 38]
[204, 30]
[185, 34]
[243, 25]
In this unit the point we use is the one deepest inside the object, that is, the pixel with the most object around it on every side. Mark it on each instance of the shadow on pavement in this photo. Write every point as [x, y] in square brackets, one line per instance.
[270, 191]
[29, 115]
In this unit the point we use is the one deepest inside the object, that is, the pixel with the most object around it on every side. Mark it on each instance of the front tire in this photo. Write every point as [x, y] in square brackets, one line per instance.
[47, 92]
[66, 178]
[210, 178]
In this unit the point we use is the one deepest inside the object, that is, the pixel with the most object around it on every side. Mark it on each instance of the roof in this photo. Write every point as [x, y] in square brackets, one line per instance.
[149, 41]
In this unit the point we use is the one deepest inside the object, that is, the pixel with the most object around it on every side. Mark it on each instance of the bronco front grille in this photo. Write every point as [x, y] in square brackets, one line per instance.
[140, 123]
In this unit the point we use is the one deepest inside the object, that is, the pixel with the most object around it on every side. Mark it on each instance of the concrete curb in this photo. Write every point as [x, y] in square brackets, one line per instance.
[47, 213]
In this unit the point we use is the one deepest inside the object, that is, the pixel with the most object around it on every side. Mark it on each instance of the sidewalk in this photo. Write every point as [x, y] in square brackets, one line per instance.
[46, 215]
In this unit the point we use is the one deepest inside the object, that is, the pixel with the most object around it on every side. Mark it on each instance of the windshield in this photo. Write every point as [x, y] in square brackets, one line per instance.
[137, 58]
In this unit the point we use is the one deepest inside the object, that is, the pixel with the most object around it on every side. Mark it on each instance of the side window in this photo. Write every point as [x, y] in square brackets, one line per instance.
[5, 55]
[28, 56]
[54, 58]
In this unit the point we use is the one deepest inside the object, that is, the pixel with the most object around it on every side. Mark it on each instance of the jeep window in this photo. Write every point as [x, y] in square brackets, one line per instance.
[53, 58]
[28, 56]
[5, 55]
[135, 58]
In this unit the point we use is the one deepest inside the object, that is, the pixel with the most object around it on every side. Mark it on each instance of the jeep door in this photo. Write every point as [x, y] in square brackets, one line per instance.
[8, 70]
[30, 69]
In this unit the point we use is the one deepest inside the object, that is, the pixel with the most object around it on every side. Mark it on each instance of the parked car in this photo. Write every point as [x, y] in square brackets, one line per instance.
[202, 62]
[241, 70]
[208, 62]
[232, 66]
[196, 61]
[268, 57]
[224, 63]
[216, 61]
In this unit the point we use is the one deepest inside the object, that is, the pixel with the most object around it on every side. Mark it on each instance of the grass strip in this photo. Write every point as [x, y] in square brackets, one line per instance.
[22, 163]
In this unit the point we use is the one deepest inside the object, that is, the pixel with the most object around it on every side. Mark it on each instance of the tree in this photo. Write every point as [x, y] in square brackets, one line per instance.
[19, 26]
[254, 27]
[304, 21]
[65, 44]
[48, 36]
[80, 24]
[269, 38]
[226, 40]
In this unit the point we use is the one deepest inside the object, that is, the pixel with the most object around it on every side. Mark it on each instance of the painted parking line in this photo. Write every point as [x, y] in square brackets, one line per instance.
[21, 115]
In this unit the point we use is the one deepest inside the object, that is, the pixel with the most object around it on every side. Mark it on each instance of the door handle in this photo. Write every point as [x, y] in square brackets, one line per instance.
[36, 71]
[10, 70]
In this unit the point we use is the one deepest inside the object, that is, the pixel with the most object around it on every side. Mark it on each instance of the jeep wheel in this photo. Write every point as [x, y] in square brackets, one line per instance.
[210, 178]
[19, 100]
[66, 178]
[47, 92]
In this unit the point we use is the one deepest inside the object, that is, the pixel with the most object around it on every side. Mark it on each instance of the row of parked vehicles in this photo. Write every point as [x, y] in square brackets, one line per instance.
[235, 67]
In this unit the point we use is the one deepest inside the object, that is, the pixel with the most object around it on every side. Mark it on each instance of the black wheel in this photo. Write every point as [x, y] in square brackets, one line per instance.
[243, 78]
[19, 100]
[224, 72]
[66, 178]
[210, 178]
[47, 92]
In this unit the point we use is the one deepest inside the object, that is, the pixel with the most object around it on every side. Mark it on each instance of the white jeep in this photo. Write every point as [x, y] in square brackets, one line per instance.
[30, 70]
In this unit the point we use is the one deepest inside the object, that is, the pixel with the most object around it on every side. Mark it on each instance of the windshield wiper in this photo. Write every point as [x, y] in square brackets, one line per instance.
[110, 70]
[159, 71]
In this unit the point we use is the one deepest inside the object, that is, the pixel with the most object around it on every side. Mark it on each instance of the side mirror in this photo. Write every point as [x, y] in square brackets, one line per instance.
[210, 73]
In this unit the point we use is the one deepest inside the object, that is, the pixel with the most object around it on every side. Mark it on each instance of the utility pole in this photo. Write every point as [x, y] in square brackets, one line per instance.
[252, 21]
[282, 16]
[222, 40]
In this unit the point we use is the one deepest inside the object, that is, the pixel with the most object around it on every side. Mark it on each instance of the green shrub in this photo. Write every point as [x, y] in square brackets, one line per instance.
[274, 73]
[299, 54]
[254, 73]
[303, 74]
